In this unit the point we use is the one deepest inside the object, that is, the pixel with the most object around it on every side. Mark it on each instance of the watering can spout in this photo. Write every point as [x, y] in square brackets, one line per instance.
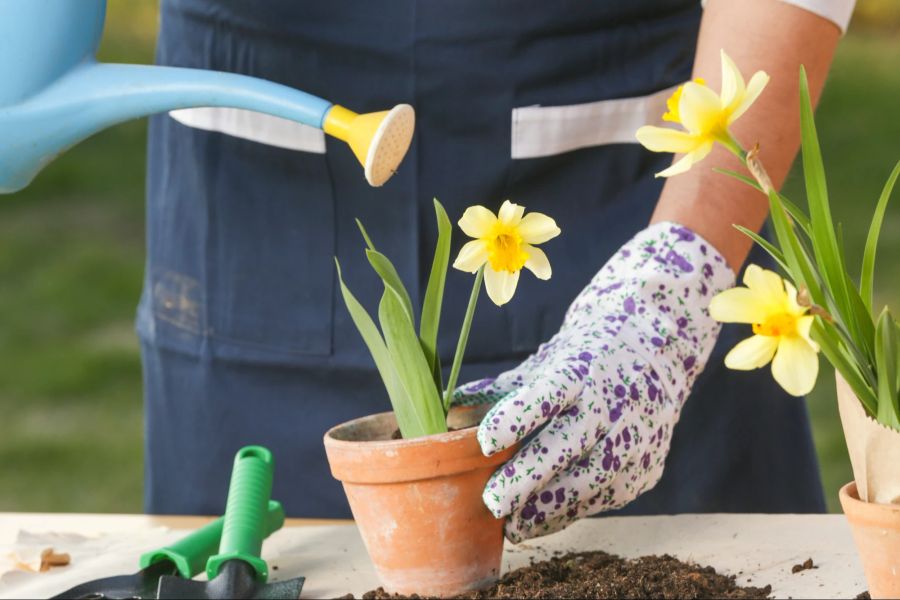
[92, 96]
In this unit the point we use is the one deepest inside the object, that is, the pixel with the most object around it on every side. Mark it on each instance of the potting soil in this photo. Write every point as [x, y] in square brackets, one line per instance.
[602, 575]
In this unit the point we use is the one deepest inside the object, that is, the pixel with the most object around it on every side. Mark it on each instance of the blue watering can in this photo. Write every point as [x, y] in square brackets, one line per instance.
[54, 93]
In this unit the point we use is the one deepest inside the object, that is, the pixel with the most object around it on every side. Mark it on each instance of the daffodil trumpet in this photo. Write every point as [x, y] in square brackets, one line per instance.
[407, 360]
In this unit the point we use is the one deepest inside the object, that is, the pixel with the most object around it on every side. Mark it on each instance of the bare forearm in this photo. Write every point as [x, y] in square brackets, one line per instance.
[766, 35]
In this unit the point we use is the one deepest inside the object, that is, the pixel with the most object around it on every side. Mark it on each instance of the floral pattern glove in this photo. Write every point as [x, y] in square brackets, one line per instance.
[608, 388]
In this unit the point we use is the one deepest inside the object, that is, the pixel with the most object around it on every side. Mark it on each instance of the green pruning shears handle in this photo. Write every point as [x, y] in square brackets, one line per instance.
[245, 512]
[190, 553]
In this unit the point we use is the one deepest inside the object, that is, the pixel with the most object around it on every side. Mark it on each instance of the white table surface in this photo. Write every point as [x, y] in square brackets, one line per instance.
[759, 549]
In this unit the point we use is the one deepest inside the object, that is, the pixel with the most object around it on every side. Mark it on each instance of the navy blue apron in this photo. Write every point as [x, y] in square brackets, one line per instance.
[244, 337]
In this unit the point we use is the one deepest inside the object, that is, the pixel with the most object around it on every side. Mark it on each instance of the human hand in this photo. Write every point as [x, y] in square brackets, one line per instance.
[609, 385]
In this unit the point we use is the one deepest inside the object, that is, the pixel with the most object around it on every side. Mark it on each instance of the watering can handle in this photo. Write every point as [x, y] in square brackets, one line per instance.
[243, 529]
[190, 553]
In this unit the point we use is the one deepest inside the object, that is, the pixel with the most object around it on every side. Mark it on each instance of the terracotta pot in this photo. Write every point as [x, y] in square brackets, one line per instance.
[876, 531]
[418, 504]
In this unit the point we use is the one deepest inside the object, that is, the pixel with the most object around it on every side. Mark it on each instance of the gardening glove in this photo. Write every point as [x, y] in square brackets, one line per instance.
[609, 386]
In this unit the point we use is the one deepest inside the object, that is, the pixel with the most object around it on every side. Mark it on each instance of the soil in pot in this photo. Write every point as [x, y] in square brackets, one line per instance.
[602, 575]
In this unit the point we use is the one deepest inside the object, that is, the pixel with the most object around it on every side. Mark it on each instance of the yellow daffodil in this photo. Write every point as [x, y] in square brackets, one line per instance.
[781, 325]
[705, 115]
[503, 244]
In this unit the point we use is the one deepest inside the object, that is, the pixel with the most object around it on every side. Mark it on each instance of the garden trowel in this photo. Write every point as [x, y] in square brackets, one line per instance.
[237, 571]
[183, 559]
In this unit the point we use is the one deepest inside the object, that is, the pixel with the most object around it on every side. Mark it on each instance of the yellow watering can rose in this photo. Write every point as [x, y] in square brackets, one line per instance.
[705, 116]
[504, 244]
[781, 325]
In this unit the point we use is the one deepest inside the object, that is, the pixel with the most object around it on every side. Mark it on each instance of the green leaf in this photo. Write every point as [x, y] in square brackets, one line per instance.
[824, 335]
[372, 337]
[824, 239]
[766, 245]
[412, 369]
[385, 269]
[885, 365]
[800, 267]
[793, 210]
[434, 293]
[740, 177]
[867, 273]
[365, 235]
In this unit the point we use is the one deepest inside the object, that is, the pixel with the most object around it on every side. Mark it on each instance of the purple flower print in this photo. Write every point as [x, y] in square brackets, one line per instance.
[590, 407]
[684, 234]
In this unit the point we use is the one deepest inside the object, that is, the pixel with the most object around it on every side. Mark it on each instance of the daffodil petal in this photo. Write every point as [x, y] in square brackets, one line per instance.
[663, 139]
[537, 228]
[738, 305]
[701, 152]
[766, 284]
[501, 285]
[510, 214]
[537, 262]
[477, 221]
[752, 353]
[471, 256]
[804, 324]
[732, 83]
[700, 108]
[755, 87]
[795, 366]
[793, 307]
[683, 165]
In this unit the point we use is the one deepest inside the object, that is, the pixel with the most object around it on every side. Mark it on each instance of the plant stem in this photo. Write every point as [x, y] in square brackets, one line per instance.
[733, 146]
[463, 339]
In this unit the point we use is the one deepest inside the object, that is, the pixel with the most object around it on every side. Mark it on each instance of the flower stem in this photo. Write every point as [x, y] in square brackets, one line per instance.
[733, 146]
[463, 339]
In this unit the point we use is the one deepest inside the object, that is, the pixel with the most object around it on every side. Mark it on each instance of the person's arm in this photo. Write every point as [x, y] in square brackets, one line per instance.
[767, 35]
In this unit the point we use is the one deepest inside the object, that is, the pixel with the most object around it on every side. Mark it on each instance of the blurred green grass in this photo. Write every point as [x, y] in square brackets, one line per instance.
[71, 260]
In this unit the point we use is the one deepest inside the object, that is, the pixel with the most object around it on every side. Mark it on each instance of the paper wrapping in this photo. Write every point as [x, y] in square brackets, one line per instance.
[874, 449]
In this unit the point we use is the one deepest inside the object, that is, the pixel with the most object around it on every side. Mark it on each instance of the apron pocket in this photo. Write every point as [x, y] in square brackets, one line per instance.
[269, 262]
[539, 131]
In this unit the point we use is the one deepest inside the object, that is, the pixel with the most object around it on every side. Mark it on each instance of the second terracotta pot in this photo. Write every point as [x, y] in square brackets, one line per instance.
[418, 504]
[876, 531]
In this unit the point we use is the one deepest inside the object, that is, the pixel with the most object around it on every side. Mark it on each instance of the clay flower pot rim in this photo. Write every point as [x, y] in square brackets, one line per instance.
[336, 441]
[866, 511]
[359, 451]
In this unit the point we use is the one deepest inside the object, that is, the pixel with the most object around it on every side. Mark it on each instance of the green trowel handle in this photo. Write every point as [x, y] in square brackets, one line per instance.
[245, 512]
[190, 553]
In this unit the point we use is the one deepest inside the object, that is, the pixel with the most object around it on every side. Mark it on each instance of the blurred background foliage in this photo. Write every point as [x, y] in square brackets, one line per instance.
[71, 260]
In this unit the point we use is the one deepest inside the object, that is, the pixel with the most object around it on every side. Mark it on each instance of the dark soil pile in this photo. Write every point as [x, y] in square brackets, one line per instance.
[602, 575]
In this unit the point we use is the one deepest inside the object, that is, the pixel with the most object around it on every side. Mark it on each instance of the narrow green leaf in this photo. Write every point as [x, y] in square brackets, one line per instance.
[796, 214]
[830, 345]
[824, 239]
[793, 210]
[800, 267]
[766, 245]
[867, 273]
[434, 293]
[740, 177]
[385, 269]
[377, 348]
[412, 368]
[365, 235]
[885, 365]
